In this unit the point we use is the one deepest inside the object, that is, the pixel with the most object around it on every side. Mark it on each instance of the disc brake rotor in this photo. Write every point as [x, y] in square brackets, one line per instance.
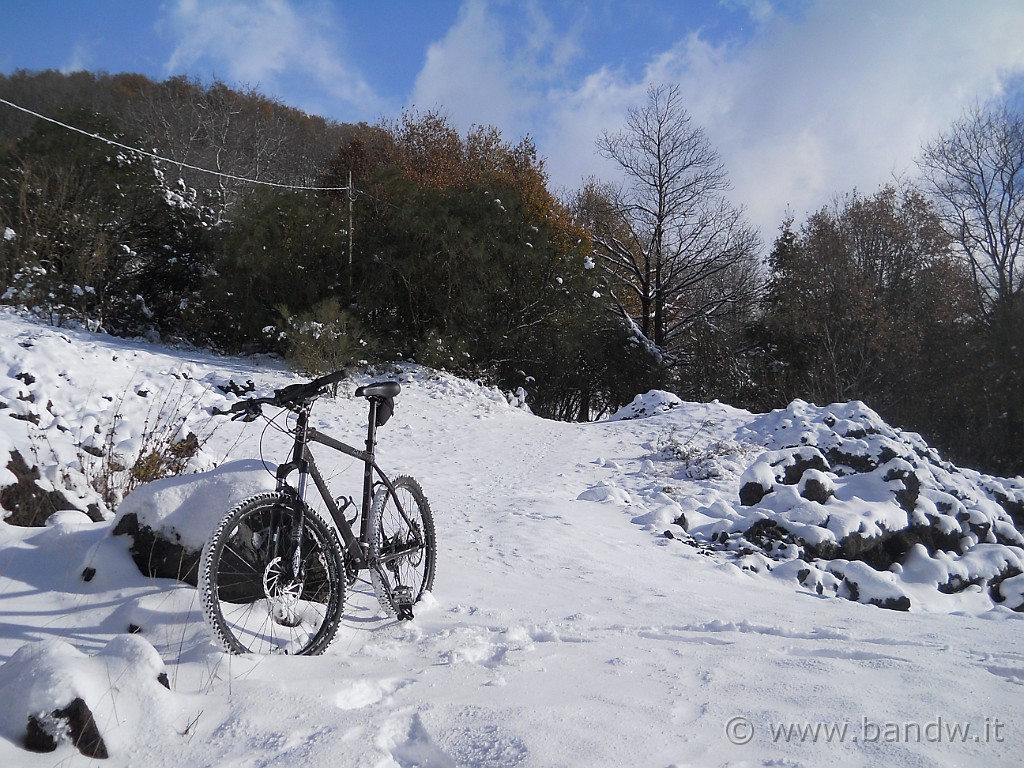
[282, 594]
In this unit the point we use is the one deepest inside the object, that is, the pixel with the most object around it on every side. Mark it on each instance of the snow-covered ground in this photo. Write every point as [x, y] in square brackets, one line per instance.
[565, 627]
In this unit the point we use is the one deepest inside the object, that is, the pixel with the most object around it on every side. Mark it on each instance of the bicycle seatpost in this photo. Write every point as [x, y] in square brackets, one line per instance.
[371, 429]
[371, 443]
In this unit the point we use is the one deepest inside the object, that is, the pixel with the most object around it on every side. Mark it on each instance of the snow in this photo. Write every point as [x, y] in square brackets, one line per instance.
[653, 402]
[566, 628]
[189, 507]
[42, 675]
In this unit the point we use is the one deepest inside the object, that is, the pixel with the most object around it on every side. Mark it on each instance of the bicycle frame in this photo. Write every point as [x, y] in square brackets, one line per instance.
[303, 462]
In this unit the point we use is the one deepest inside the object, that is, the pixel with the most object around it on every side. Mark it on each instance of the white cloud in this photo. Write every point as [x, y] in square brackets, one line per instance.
[81, 59]
[466, 74]
[264, 43]
[760, 11]
[576, 118]
[845, 96]
[495, 66]
[839, 98]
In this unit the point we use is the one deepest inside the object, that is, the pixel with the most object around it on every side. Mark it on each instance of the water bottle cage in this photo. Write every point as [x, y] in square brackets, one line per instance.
[344, 502]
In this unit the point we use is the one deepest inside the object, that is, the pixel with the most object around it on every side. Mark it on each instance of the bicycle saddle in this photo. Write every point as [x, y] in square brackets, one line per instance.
[379, 389]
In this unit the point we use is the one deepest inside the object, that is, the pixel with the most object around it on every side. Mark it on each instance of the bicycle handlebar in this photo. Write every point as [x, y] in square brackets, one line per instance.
[297, 393]
[251, 408]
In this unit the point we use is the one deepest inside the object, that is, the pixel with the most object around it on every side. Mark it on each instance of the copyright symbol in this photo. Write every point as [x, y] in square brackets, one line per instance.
[739, 730]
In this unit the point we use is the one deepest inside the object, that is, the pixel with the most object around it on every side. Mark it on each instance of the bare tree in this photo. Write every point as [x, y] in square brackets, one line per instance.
[976, 172]
[230, 131]
[676, 252]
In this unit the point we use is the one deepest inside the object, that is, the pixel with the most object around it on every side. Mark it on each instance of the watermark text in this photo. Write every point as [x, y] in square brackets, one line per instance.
[991, 730]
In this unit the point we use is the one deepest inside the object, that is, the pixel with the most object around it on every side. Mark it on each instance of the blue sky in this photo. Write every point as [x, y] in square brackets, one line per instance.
[805, 99]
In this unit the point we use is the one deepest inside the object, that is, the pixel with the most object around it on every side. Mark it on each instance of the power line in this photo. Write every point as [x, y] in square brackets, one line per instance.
[162, 159]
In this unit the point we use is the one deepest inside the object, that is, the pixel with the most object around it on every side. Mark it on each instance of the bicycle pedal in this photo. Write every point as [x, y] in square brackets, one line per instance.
[351, 573]
[402, 598]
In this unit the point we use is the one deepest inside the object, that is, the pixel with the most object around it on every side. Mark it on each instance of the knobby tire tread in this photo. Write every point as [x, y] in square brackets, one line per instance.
[381, 578]
[213, 551]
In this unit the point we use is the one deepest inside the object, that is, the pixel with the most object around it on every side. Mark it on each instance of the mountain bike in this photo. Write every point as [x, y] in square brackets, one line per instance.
[273, 574]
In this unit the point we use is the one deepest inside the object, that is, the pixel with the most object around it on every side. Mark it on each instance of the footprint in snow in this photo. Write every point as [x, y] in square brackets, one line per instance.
[470, 738]
[363, 693]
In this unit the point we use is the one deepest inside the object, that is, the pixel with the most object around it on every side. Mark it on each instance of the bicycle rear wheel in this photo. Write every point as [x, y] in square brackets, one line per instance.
[252, 600]
[402, 547]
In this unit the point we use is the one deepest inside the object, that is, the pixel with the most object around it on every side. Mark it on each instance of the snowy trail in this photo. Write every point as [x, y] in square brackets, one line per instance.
[556, 613]
[562, 631]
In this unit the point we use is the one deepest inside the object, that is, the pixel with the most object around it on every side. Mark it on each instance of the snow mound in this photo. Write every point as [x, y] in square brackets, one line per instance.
[78, 406]
[457, 392]
[52, 693]
[187, 508]
[871, 513]
[605, 491]
[650, 404]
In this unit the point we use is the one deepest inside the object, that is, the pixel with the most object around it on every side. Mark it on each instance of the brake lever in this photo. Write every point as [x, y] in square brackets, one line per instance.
[251, 412]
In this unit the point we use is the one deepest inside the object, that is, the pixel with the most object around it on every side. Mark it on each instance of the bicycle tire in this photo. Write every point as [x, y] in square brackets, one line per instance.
[389, 532]
[248, 607]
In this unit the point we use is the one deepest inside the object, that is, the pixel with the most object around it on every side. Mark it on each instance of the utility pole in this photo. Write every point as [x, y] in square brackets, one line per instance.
[350, 198]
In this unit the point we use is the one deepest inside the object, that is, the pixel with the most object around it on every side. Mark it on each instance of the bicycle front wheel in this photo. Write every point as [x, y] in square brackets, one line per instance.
[254, 600]
[401, 547]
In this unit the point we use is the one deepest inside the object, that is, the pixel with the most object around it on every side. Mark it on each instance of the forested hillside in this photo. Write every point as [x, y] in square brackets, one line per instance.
[250, 226]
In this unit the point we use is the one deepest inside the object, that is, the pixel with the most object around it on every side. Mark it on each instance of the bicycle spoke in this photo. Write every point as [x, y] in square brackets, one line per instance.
[401, 547]
[253, 601]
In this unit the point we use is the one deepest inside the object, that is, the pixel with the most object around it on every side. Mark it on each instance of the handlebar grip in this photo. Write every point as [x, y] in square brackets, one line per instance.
[298, 392]
[328, 379]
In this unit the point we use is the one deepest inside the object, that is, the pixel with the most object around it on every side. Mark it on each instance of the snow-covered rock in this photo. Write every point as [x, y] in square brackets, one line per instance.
[169, 520]
[650, 404]
[836, 485]
[52, 693]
